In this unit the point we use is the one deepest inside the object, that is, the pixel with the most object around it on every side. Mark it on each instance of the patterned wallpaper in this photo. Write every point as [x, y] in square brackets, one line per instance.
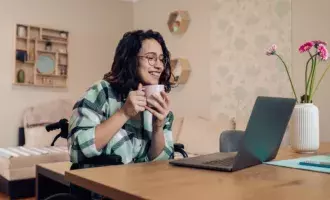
[241, 30]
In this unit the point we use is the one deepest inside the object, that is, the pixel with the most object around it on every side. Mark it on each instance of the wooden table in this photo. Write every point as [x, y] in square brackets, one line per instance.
[159, 180]
[50, 179]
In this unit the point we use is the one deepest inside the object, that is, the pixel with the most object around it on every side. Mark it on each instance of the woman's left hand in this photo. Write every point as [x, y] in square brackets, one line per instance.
[158, 106]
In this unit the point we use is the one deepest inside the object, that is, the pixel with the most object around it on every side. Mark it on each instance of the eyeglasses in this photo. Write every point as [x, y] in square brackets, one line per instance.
[152, 59]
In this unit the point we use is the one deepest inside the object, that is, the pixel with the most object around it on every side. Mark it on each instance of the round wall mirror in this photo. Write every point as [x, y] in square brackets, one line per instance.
[45, 64]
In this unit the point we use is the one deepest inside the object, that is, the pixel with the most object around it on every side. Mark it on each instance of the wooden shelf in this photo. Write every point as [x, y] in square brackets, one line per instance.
[53, 41]
[33, 42]
[178, 22]
[23, 84]
[52, 52]
[52, 75]
[30, 63]
[39, 85]
[22, 38]
[21, 49]
[181, 70]
[45, 51]
[52, 37]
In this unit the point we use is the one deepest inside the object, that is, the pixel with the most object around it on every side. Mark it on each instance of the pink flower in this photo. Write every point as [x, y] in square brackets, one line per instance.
[271, 50]
[306, 47]
[317, 42]
[322, 51]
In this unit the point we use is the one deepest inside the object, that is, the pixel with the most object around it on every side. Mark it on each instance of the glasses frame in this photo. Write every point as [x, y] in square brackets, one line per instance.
[164, 62]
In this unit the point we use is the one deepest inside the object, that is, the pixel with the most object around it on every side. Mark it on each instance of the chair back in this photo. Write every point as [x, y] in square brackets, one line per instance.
[47, 112]
[230, 139]
[37, 116]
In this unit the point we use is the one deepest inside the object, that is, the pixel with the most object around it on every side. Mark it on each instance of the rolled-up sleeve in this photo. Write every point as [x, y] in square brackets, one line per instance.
[169, 144]
[87, 114]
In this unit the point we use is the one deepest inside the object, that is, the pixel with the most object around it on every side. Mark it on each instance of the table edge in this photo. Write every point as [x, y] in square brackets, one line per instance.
[51, 174]
[98, 187]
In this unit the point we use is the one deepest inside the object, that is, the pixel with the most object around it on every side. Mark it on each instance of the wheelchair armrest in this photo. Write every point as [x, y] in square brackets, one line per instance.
[178, 147]
[102, 160]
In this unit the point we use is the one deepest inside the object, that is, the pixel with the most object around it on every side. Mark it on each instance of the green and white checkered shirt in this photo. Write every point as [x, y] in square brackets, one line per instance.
[131, 142]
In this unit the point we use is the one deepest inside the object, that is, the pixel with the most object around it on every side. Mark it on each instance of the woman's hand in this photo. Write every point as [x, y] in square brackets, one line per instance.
[159, 106]
[135, 102]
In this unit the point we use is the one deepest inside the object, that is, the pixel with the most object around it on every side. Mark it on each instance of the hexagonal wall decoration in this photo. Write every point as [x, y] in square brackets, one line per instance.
[180, 71]
[178, 22]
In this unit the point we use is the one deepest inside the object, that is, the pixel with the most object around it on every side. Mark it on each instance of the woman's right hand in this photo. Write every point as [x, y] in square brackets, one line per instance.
[135, 102]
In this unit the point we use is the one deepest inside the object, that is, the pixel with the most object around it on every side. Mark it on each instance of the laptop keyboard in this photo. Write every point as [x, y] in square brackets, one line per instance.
[227, 162]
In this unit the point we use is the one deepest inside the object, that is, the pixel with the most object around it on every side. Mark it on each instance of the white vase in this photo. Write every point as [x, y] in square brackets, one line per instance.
[304, 137]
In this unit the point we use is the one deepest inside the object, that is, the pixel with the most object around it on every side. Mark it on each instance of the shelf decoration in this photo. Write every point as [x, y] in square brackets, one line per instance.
[180, 71]
[41, 56]
[45, 65]
[20, 76]
[21, 31]
[178, 22]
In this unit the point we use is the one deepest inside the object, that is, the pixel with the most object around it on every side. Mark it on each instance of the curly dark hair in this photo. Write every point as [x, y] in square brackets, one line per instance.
[123, 75]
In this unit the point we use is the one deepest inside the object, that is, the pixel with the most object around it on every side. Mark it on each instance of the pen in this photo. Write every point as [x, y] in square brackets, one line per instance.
[315, 163]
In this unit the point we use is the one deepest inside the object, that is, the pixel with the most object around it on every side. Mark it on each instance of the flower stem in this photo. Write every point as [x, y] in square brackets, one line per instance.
[287, 71]
[307, 83]
[312, 80]
[317, 85]
[309, 77]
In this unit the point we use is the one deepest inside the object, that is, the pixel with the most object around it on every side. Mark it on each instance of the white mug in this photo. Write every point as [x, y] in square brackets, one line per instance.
[147, 116]
[153, 89]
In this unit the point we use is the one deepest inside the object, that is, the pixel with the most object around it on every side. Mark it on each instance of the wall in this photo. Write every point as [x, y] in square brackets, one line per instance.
[225, 44]
[193, 97]
[228, 38]
[240, 71]
[312, 24]
[95, 29]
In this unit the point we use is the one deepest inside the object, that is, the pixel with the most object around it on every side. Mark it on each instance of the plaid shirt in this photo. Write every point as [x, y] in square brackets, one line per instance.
[131, 142]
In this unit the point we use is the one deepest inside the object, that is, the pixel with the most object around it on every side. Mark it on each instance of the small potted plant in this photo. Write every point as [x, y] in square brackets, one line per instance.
[305, 118]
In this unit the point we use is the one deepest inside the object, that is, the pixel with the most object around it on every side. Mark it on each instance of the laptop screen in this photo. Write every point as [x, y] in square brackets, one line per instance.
[267, 125]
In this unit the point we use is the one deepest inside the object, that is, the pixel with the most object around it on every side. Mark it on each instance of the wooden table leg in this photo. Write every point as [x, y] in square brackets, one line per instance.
[46, 186]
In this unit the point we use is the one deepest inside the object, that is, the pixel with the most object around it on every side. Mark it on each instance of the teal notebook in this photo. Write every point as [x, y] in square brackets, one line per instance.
[294, 163]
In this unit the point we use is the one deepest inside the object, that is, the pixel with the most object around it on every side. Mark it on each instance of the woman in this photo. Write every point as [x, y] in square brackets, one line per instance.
[108, 119]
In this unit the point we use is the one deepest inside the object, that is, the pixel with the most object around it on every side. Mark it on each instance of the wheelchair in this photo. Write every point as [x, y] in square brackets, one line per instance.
[77, 192]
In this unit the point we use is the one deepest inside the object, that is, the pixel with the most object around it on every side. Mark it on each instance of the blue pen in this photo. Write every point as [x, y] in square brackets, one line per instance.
[315, 163]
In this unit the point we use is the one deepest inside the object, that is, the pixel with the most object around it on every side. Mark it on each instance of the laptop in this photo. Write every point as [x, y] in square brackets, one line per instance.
[260, 142]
